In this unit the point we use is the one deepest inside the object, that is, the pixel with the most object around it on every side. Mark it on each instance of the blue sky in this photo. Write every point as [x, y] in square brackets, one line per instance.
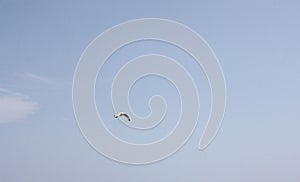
[257, 44]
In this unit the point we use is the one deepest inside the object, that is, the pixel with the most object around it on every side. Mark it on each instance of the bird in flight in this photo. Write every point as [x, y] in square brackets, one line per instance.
[122, 114]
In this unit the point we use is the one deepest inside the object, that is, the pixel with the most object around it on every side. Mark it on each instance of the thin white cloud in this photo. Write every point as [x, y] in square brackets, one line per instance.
[2, 90]
[35, 77]
[15, 106]
[48, 82]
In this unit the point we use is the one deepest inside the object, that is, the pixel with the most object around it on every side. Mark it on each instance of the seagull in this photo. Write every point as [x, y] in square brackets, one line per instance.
[122, 114]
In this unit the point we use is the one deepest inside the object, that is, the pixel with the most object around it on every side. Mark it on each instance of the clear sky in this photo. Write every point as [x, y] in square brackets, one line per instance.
[257, 43]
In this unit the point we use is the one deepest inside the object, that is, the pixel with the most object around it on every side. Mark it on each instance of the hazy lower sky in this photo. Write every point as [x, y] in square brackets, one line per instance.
[257, 43]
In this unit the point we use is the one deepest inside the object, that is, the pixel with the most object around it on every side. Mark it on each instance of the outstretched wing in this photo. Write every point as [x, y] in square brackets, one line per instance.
[122, 114]
[126, 115]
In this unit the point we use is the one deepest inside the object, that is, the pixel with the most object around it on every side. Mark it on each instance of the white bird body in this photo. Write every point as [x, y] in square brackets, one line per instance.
[122, 114]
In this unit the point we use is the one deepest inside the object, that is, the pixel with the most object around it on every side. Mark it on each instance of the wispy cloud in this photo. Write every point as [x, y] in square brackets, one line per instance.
[35, 77]
[45, 81]
[15, 106]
